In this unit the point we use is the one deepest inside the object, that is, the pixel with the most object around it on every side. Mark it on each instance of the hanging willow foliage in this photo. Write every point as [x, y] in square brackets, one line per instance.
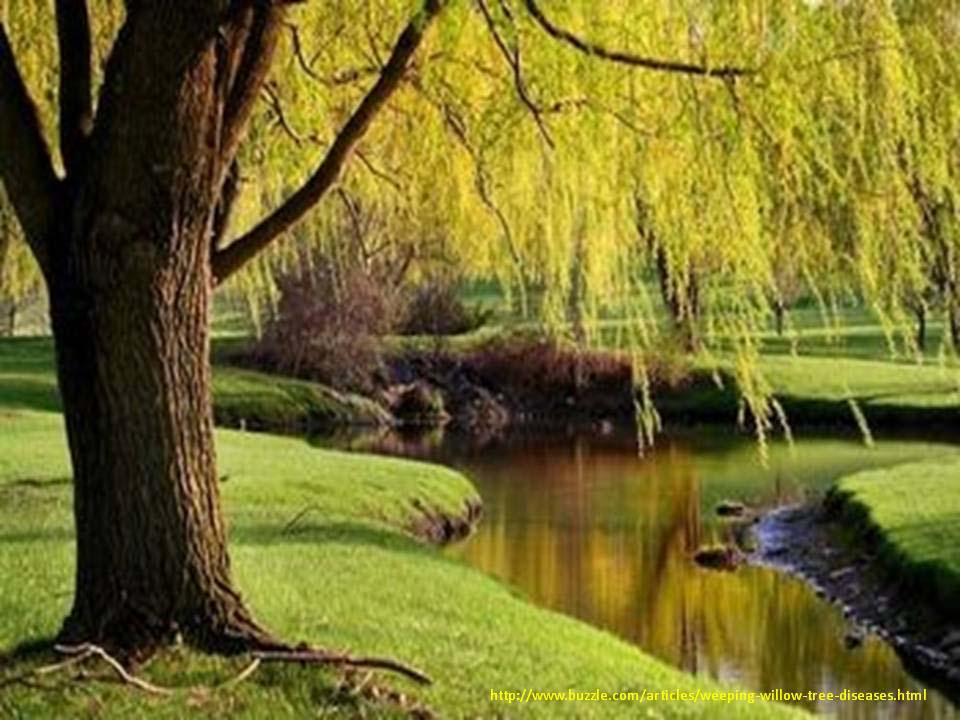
[816, 143]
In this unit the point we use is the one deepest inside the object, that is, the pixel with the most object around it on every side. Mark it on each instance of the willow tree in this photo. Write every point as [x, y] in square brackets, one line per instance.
[543, 133]
[125, 232]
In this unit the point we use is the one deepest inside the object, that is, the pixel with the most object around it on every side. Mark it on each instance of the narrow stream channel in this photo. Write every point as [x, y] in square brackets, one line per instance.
[582, 525]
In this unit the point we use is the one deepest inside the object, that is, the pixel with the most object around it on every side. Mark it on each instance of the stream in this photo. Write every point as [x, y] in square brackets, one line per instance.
[581, 524]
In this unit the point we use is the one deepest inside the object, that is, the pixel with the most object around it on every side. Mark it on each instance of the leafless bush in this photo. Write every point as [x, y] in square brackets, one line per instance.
[327, 326]
[539, 368]
[435, 308]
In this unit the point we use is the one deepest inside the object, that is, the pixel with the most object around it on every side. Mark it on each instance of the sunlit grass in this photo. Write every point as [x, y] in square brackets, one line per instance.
[913, 512]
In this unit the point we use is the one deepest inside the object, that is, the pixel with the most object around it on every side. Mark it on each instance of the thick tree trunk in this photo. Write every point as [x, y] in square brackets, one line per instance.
[921, 313]
[125, 242]
[130, 283]
[132, 357]
[779, 313]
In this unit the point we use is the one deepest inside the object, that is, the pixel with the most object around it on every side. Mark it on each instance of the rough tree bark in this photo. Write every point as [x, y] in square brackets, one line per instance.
[129, 278]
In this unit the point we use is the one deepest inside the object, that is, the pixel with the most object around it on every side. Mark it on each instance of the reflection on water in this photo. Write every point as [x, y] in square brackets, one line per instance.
[584, 526]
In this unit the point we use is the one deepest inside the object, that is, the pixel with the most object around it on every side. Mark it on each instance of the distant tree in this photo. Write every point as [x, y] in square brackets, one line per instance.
[679, 282]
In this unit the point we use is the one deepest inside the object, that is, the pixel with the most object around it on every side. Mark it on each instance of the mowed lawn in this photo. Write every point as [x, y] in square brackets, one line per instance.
[322, 551]
[913, 513]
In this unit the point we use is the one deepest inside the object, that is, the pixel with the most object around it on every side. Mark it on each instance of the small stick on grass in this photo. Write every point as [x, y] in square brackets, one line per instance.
[63, 664]
[297, 518]
[25, 678]
[247, 671]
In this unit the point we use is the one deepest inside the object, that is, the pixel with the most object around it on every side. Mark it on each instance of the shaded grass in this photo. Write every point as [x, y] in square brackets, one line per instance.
[911, 515]
[242, 398]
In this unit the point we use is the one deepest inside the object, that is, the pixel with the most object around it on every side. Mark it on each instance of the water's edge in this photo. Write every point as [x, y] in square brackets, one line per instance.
[809, 542]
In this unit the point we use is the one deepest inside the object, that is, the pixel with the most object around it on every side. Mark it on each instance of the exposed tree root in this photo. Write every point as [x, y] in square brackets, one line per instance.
[87, 650]
[247, 671]
[249, 637]
[236, 635]
[353, 683]
[316, 656]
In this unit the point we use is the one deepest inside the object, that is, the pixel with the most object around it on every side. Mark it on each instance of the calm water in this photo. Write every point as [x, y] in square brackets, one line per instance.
[583, 525]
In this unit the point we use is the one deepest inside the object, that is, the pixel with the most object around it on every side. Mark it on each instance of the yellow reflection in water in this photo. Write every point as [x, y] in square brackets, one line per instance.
[590, 529]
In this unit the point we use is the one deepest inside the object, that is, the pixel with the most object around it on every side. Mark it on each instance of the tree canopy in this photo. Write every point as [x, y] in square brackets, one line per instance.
[818, 136]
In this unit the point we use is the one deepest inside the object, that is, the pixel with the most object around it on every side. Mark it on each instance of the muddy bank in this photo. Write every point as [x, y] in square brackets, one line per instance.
[441, 528]
[842, 563]
[536, 385]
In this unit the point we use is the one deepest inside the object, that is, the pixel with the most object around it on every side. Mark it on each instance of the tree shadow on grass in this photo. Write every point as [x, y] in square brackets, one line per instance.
[334, 533]
[25, 651]
[24, 392]
[53, 535]
[36, 484]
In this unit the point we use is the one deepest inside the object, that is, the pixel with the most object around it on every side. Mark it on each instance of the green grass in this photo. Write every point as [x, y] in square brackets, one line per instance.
[911, 513]
[347, 574]
[242, 398]
[819, 391]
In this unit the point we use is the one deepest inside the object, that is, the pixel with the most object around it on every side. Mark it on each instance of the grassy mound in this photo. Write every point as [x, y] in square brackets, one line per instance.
[911, 514]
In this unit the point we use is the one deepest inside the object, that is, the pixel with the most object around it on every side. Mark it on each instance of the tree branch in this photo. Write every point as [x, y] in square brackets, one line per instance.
[25, 166]
[236, 255]
[224, 210]
[257, 34]
[76, 92]
[512, 58]
[625, 58]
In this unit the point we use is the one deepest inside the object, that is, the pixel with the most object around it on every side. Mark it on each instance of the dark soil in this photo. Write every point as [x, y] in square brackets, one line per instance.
[481, 394]
[441, 528]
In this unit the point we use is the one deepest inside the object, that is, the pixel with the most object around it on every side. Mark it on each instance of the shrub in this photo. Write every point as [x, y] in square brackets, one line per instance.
[327, 326]
[435, 308]
[535, 368]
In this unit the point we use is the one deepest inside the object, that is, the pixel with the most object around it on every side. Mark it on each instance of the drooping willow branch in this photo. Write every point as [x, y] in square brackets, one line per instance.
[626, 58]
[512, 58]
[237, 254]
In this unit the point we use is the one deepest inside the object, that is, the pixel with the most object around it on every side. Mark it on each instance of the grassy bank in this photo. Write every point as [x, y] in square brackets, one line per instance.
[911, 515]
[322, 550]
[242, 398]
[815, 367]
[818, 391]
